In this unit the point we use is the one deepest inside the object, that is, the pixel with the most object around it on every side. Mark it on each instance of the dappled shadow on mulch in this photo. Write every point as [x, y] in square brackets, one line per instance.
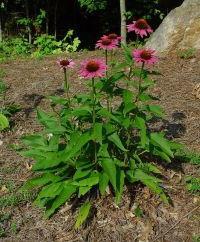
[31, 81]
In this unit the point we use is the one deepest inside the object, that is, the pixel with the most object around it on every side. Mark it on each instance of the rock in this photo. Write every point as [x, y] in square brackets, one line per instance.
[179, 30]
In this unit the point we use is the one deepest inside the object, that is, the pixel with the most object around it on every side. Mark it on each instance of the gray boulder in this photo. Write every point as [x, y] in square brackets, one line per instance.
[179, 30]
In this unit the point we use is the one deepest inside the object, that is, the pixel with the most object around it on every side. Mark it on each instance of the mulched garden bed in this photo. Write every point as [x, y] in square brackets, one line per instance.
[30, 81]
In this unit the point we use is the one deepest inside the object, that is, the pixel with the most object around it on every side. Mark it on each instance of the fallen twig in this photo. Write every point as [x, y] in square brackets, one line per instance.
[174, 225]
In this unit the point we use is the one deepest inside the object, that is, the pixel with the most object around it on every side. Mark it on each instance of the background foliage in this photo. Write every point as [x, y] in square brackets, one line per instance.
[88, 18]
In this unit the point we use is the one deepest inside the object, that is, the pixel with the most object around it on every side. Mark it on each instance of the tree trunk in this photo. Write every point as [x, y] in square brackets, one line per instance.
[28, 27]
[123, 21]
[47, 18]
[55, 19]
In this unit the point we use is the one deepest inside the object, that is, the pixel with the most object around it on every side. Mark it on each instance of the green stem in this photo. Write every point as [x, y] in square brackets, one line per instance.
[140, 82]
[66, 84]
[128, 144]
[94, 116]
[106, 54]
[94, 102]
[137, 41]
[107, 98]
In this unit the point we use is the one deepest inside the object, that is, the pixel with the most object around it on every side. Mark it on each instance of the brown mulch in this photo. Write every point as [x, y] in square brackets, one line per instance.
[30, 81]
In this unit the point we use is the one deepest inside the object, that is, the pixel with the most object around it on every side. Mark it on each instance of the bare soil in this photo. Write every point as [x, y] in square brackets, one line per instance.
[30, 81]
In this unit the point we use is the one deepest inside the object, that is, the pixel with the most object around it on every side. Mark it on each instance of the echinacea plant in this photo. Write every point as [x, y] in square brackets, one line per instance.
[64, 65]
[89, 148]
[140, 27]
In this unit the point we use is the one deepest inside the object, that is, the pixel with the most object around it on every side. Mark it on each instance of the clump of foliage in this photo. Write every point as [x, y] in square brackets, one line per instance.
[193, 184]
[28, 23]
[13, 47]
[187, 54]
[196, 238]
[93, 5]
[47, 44]
[6, 109]
[43, 45]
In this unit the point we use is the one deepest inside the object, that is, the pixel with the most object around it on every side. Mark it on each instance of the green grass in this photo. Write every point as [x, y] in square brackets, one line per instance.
[12, 198]
[193, 184]
[187, 54]
[196, 238]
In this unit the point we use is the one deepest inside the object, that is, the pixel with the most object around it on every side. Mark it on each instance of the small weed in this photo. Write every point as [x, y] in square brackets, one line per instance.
[14, 227]
[2, 232]
[4, 218]
[188, 156]
[193, 184]
[2, 73]
[196, 238]
[138, 212]
[9, 170]
[6, 109]
[10, 185]
[15, 199]
[187, 54]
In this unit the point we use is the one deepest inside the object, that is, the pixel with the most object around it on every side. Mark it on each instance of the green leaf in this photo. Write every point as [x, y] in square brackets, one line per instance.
[158, 140]
[34, 140]
[83, 214]
[162, 154]
[128, 54]
[128, 101]
[65, 194]
[138, 212]
[156, 110]
[45, 118]
[127, 96]
[51, 190]
[50, 160]
[128, 107]
[41, 181]
[75, 145]
[106, 114]
[90, 181]
[140, 124]
[34, 153]
[82, 111]
[58, 100]
[116, 77]
[116, 140]
[103, 182]
[145, 97]
[110, 169]
[151, 168]
[54, 141]
[120, 185]
[79, 174]
[83, 190]
[4, 123]
[103, 151]
[50, 122]
[152, 182]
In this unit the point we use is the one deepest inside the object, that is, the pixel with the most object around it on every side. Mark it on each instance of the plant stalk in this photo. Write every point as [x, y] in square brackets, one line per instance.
[66, 85]
[94, 116]
[140, 82]
[107, 98]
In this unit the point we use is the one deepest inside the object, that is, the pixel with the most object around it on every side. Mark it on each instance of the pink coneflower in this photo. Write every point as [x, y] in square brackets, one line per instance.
[93, 68]
[106, 43]
[140, 27]
[65, 63]
[145, 56]
[114, 37]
